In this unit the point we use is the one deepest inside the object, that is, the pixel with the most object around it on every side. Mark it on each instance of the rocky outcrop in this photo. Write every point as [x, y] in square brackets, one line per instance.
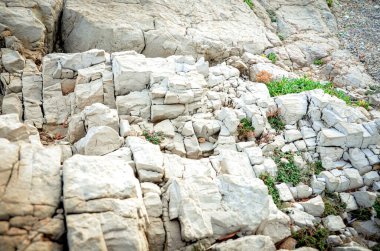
[163, 29]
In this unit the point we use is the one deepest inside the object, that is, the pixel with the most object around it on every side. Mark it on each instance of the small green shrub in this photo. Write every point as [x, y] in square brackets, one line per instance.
[312, 237]
[330, 3]
[361, 214]
[317, 167]
[249, 3]
[318, 62]
[333, 205]
[297, 85]
[281, 37]
[362, 103]
[272, 15]
[245, 129]
[276, 122]
[272, 190]
[154, 137]
[376, 206]
[272, 57]
[287, 172]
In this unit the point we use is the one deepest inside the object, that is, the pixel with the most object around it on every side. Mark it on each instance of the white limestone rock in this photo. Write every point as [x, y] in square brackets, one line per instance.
[365, 198]
[292, 107]
[100, 115]
[12, 60]
[253, 242]
[284, 192]
[99, 140]
[148, 158]
[333, 223]
[135, 103]
[314, 206]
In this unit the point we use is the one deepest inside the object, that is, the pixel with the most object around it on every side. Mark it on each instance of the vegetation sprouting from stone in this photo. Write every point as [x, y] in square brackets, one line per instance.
[362, 214]
[318, 62]
[272, 15]
[362, 103]
[317, 167]
[270, 182]
[154, 137]
[272, 57]
[287, 172]
[330, 3]
[286, 86]
[249, 3]
[333, 205]
[245, 129]
[376, 206]
[315, 237]
[275, 121]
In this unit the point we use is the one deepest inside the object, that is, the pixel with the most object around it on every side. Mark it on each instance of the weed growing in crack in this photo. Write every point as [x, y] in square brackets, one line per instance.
[249, 3]
[315, 237]
[270, 182]
[318, 62]
[275, 121]
[333, 205]
[272, 57]
[154, 137]
[297, 85]
[287, 171]
[245, 129]
[363, 214]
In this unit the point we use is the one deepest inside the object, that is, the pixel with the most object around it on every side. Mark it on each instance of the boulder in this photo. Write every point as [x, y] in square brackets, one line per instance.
[333, 223]
[314, 206]
[12, 60]
[254, 242]
[100, 115]
[99, 140]
[176, 33]
[103, 202]
[292, 107]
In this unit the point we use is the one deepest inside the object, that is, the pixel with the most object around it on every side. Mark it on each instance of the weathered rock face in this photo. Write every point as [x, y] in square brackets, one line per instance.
[30, 190]
[33, 22]
[162, 29]
[103, 204]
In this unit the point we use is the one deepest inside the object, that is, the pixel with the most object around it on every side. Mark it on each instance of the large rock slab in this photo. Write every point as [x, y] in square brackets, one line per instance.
[30, 191]
[103, 204]
[221, 28]
[34, 23]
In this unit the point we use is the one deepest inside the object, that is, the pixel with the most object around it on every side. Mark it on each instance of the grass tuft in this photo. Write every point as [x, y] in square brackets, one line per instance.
[287, 172]
[270, 182]
[315, 237]
[245, 129]
[287, 86]
[249, 3]
[154, 137]
[318, 62]
[333, 205]
[272, 57]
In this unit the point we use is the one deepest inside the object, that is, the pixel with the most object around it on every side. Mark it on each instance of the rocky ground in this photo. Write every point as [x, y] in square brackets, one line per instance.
[359, 31]
[171, 127]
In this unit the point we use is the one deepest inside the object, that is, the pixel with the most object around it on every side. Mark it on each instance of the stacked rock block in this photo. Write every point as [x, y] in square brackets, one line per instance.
[74, 81]
[30, 190]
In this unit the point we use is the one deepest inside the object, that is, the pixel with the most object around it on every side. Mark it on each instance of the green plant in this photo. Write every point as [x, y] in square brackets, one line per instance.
[297, 85]
[272, 15]
[362, 103]
[330, 3]
[276, 122]
[376, 247]
[154, 137]
[315, 237]
[272, 57]
[245, 129]
[362, 214]
[376, 206]
[318, 62]
[249, 3]
[272, 190]
[317, 167]
[287, 171]
[281, 37]
[333, 205]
